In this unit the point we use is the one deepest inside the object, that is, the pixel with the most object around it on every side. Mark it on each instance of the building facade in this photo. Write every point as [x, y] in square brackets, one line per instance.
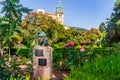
[58, 15]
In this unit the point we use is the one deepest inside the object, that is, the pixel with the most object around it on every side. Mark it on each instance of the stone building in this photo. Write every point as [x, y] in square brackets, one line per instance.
[58, 15]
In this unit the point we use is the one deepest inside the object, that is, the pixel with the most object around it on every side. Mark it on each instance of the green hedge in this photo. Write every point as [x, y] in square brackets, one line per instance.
[103, 51]
[21, 51]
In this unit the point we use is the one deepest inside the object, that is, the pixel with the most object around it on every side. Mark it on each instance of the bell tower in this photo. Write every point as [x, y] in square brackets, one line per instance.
[60, 13]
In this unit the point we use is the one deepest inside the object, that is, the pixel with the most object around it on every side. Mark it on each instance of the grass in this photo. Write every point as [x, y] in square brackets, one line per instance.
[106, 68]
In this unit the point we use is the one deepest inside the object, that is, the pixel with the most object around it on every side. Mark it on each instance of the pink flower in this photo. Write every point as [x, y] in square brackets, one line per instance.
[69, 45]
[83, 46]
[82, 50]
[66, 45]
[7, 63]
[89, 42]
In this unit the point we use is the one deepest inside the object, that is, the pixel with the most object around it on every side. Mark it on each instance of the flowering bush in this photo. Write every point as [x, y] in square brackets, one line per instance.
[70, 55]
[77, 56]
[14, 67]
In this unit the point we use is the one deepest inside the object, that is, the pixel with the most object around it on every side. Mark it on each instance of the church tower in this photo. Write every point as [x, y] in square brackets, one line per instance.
[60, 13]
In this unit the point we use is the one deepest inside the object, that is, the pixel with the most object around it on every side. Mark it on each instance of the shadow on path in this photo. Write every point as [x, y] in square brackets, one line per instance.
[59, 74]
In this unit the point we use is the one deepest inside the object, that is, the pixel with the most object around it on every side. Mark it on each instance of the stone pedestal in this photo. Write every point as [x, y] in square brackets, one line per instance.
[42, 62]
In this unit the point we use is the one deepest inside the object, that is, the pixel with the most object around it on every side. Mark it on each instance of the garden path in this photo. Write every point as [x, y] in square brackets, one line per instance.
[59, 74]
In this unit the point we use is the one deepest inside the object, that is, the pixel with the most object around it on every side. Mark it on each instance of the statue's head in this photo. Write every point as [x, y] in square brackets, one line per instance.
[42, 39]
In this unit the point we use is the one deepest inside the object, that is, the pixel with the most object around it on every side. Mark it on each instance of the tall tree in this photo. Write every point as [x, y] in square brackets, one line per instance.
[35, 22]
[12, 11]
[113, 28]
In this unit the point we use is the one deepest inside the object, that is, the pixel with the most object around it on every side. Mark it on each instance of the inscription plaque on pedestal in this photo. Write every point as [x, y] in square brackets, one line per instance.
[42, 62]
[39, 52]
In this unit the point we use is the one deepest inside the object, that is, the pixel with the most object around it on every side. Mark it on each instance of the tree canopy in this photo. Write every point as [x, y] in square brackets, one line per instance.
[11, 20]
[113, 27]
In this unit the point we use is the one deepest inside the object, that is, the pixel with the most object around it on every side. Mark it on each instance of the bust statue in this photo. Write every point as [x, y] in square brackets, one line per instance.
[42, 39]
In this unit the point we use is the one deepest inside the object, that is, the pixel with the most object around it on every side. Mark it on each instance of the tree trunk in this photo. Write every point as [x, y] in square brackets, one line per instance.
[9, 55]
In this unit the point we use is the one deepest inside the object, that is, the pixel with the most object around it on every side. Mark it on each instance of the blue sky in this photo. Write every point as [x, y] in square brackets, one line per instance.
[78, 13]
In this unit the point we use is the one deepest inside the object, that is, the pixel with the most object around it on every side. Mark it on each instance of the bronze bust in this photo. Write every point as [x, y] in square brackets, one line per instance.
[42, 39]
